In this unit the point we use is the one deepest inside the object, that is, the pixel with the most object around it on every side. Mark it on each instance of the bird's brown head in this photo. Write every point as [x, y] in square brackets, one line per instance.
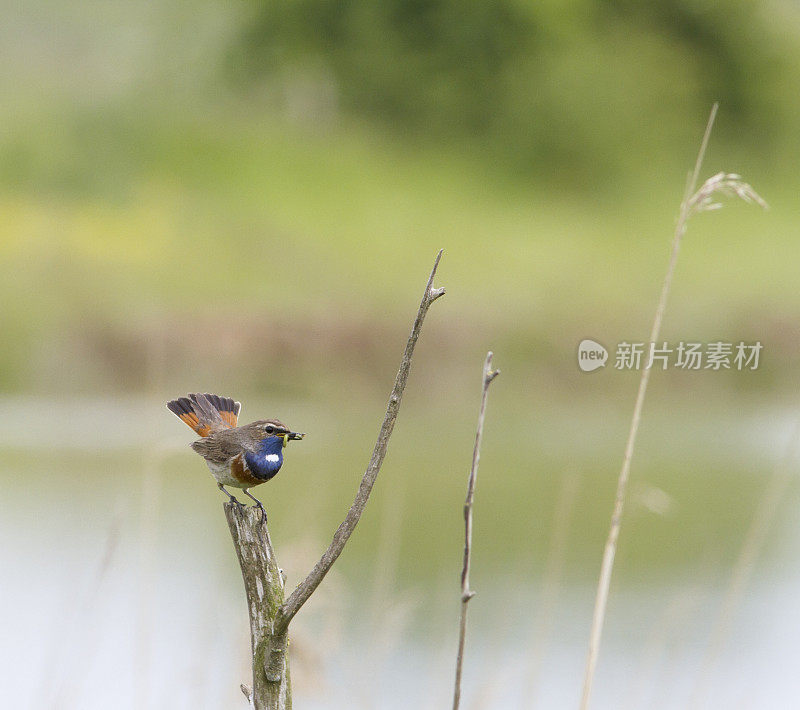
[266, 428]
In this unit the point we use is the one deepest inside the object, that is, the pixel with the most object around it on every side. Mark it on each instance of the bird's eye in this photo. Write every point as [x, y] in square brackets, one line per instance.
[269, 429]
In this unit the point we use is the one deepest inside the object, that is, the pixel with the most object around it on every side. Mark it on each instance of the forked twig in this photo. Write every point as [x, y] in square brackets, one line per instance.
[694, 201]
[466, 592]
[264, 581]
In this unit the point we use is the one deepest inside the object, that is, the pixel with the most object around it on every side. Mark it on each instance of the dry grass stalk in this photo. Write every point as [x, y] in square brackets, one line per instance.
[752, 544]
[552, 578]
[694, 201]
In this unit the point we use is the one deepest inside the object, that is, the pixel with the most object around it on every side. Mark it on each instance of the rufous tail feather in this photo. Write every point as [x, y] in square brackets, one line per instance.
[206, 413]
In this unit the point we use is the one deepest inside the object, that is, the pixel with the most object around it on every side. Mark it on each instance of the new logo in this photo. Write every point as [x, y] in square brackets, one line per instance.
[591, 355]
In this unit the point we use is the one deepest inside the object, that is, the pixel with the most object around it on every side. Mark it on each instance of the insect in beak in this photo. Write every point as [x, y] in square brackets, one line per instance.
[290, 436]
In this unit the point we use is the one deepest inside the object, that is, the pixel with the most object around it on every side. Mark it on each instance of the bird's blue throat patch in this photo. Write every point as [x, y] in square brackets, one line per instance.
[267, 461]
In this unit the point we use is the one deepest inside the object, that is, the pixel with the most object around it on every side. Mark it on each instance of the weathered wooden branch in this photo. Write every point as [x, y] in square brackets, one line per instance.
[269, 615]
[263, 586]
[466, 592]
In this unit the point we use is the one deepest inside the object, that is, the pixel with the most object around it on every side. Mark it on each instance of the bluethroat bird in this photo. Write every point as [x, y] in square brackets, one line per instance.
[238, 456]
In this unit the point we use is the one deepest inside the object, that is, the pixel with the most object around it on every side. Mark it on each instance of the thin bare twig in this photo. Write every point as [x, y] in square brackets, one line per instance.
[306, 588]
[693, 201]
[466, 592]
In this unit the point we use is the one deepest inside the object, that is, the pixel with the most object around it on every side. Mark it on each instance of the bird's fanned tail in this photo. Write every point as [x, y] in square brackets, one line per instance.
[206, 413]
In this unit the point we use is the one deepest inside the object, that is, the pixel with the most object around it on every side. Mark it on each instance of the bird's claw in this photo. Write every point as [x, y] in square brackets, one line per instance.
[238, 504]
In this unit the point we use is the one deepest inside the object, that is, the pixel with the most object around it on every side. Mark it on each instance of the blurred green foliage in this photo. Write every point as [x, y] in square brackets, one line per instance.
[567, 90]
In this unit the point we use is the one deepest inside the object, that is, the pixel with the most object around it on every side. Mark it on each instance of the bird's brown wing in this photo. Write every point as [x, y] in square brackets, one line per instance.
[218, 447]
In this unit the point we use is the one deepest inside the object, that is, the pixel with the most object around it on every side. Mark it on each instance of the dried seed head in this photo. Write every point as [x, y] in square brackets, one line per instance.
[728, 184]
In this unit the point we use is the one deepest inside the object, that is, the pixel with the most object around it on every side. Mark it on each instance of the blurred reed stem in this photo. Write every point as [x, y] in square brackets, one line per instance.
[601, 600]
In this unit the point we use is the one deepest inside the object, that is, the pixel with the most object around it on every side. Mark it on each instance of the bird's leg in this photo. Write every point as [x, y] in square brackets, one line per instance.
[233, 499]
[258, 503]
